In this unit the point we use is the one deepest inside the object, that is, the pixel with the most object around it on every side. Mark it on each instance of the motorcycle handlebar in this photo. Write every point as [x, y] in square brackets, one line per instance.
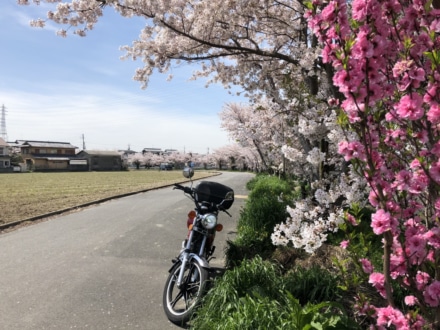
[186, 190]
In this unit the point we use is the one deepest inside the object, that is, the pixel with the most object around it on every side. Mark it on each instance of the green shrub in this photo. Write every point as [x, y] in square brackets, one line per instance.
[313, 285]
[251, 278]
[265, 207]
[252, 182]
[253, 296]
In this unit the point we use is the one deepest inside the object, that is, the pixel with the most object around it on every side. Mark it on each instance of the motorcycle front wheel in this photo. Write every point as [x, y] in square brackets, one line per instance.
[179, 303]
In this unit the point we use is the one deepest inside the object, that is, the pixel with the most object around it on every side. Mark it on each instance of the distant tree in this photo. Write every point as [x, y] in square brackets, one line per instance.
[136, 160]
[147, 159]
[16, 158]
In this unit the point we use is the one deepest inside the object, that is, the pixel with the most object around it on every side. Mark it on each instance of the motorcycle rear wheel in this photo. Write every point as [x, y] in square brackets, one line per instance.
[180, 303]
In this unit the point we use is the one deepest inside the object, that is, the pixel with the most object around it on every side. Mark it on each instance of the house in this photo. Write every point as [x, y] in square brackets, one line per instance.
[169, 151]
[5, 159]
[101, 160]
[154, 151]
[47, 155]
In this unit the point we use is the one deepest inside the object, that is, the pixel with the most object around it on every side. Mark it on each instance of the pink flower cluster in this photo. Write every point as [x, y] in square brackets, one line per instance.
[387, 67]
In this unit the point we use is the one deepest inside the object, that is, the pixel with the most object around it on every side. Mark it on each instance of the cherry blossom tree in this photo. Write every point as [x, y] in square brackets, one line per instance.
[179, 159]
[262, 46]
[254, 44]
[148, 159]
[255, 129]
[387, 61]
[136, 159]
[236, 157]
[298, 134]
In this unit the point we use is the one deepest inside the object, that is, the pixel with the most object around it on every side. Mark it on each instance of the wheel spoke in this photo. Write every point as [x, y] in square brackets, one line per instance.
[178, 297]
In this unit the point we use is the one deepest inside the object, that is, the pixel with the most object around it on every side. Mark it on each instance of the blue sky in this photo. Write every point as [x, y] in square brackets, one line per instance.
[59, 89]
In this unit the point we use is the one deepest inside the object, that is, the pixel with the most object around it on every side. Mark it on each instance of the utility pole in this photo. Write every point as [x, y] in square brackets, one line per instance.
[3, 133]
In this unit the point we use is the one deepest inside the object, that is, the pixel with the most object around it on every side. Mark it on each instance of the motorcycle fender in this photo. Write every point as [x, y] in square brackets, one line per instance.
[202, 262]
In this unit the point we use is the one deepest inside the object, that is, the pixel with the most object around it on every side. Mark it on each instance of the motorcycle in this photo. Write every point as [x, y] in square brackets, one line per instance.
[188, 276]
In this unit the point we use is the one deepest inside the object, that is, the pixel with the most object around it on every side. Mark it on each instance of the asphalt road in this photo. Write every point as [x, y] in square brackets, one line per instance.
[103, 267]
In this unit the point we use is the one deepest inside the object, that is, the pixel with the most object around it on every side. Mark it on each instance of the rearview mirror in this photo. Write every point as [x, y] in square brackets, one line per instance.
[229, 196]
[188, 172]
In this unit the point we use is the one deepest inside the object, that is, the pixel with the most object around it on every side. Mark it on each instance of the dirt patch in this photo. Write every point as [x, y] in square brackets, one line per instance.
[26, 198]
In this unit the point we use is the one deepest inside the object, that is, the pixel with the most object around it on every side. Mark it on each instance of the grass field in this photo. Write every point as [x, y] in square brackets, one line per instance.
[26, 195]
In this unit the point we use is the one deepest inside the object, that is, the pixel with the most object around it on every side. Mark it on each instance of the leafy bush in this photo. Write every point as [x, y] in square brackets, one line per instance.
[313, 285]
[253, 296]
[265, 207]
[251, 278]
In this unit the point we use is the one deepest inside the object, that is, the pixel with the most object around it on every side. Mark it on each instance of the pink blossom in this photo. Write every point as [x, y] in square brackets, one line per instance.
[429, 97]
[419, 182]
[417, 74]
[432, 294]
[344, 244]
[340, 79]
[436, 149]
[422, 279]
[422, 136]
[398, 267]
[403, 179]
[434, 114]
[393, 206]
[432, 236]
[351, 219]
[363, 48]
[397, 246]
[382, 221]
[367, 266]
[388, 316]
[328, 13]
[404, 82]
[352, 110]
[415, 164]
[437, 207]
[401, 67]
[377, 280]
[398, 133]
[351, 150]
[359, 9]
[430, 256]
[434, 172]
[435, 25]
[410, 107]
[411, 300]
[416, 249]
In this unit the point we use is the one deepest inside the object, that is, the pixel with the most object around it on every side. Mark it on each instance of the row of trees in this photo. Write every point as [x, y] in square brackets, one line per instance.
[231, 156]
[343, 94]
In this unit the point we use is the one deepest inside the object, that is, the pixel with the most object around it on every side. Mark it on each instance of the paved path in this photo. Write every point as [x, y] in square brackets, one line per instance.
[103, 267]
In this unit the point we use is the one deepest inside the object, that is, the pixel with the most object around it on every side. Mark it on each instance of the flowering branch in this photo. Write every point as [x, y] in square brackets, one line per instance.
[387, 64]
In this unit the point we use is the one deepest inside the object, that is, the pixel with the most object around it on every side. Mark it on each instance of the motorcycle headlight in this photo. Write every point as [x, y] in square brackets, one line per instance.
[209, 221]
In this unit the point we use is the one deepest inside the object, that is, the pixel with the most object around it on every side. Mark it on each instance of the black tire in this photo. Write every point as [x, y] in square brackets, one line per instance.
[179, 303]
